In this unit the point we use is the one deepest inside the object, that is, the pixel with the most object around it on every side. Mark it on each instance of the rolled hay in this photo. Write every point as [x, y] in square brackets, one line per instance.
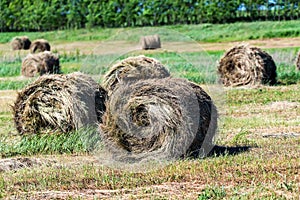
[39, 64]
[150, 42]
[245, 65]
[22, 42]
[58, 103]
[134, 69]
[40, 45]
[161, 119]
[298, 61]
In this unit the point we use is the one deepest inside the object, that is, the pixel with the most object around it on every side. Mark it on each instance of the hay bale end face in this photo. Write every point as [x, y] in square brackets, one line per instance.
[22, 42]
[59, 103]
[39, 45]
[150, 42]
[298, 61]
[158, 118]
[40, 64]
[245, 65]
[134, 69]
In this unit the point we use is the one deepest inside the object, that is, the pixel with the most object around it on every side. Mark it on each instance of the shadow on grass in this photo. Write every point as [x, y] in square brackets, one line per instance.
[222, 151]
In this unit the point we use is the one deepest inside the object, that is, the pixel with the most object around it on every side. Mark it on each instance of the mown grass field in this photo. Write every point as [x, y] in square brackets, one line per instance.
[257, 153]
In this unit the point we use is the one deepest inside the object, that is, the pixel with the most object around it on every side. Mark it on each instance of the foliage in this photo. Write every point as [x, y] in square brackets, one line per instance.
[26, 15]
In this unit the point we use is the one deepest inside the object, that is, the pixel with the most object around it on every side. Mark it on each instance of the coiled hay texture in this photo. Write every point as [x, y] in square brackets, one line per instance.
[162, 119]
[22, 42]
[40, 63]
[245, 65]
[39, 45]
[298, 61]
[58, 103]
[133, 69]
[150, 42]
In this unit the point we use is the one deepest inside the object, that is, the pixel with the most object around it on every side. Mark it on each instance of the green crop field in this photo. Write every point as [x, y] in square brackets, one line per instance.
[257, 152]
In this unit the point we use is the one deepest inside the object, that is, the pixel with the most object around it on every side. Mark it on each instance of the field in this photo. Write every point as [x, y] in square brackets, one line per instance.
[257, 152]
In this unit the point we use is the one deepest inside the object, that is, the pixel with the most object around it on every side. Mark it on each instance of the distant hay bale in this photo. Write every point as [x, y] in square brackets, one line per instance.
[22, 42]
[158, 119]
[59, 103]
[245, 65]
[298, 61]
[150, 42]
[39, 45]
[40, 64]
[134, 69]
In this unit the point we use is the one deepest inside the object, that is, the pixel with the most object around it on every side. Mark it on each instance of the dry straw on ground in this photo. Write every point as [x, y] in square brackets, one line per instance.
[245, 65]
[298, 61]
[161, 119]
[40, 63]
[150, 42]
[22, 42]
[39, 45]
[59, 103]
[134, 69]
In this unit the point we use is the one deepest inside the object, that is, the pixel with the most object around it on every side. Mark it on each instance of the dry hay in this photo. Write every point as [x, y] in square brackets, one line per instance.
[58, 103]
[134, 69]
[298, 61]
[150, 42]
[161, 119]
[22, 42]
[40, 45]
[245, 65]
[40, 63]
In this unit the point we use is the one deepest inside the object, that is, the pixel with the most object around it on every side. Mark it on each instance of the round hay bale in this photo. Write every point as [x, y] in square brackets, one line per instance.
[40, 64]
[150, 42]
[40, 45]
[133, 69]
[22, 42]
[162, 119]
[298, 61]
[59, 103]
[245, 65]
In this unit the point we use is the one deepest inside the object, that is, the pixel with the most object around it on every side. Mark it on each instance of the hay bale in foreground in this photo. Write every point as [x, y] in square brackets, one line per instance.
[150, 42]
[298, 61]
[161, 119]
[133, 69]
[22, 42]
[58, 103]
[39, 45]
[245, 65]
[39, 64]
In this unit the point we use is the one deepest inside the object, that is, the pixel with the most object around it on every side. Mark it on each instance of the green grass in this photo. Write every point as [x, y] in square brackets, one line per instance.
[83, 140]
[204, 32]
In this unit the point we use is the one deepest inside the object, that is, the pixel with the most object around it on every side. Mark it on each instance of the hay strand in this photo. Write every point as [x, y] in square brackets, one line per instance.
[133, 69]
[157, 118]
[40, 63]
[39, 45]
[58, 103]
[245, 65]
[22, 42]
[150, 42]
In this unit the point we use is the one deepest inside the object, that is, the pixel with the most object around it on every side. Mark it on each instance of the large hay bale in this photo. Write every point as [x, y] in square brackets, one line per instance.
[22, 42]
[58, 103]
[40, 45]
[245, 65]
[298, 61]
[40, 63]
[158, 119]
[150, 42]
[133, 69]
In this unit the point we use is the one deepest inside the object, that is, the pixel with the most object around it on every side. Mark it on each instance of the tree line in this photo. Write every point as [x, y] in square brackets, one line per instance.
[32, 15]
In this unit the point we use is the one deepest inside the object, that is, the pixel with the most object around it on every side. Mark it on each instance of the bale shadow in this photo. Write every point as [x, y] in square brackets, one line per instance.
[218, 151]
[222, 150]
